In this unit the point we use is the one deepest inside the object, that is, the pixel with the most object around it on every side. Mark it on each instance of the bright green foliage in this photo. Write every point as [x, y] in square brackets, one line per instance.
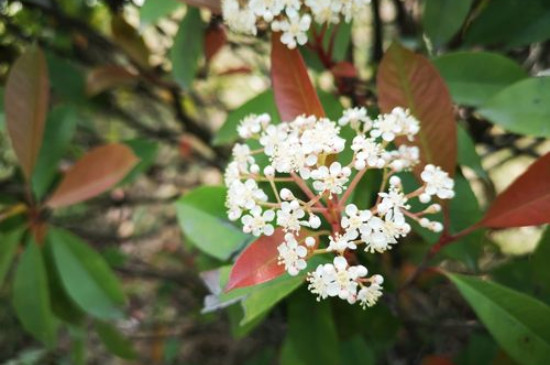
[473, 77]
[467, 155]
[31, 297]
[188, 48]
[519, 323]
[86, 277]
[522, 108]
[58, 133]
[153, 10]
[262, 103]
[202, 218]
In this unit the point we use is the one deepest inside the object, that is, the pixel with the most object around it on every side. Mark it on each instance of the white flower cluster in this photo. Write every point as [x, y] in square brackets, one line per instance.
[300, 164]
[292, 18]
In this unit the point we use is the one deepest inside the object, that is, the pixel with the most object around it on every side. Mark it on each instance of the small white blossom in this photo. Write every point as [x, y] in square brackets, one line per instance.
[331, 179]
[437, 182]
[380, 234]
[294, 29]
[253, 124]
[368, 153]
[256, 222]
[292, 255]
[392, 204]
[340, 243]
[289, 216]
[357, 118]
[369, 295]
[354, 219]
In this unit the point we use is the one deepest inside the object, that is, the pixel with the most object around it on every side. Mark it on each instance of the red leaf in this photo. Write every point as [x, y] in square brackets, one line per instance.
[214, 39]
[107, 77]
[258, 262]
[294, 92]
[409, 80]
[26, 103]
[526, 202]
[344, 70]
[98, 171]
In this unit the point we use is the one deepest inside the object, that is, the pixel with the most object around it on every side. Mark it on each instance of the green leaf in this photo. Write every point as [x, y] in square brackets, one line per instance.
[262, 103]
[146, 151]
[202, 217]
[67, 80]
[31, 297]
[311, 331]
[115, 341]
[480, 350]
[510, 23]
[442, 19]
[9, 241]
[85, 276]
[467, 155]
[356, 351]
[519, 323]
[522, 108]
[464, 212]
[473, 77]
[58, 133]
[188, 47]
[539, 261]
[152, 10]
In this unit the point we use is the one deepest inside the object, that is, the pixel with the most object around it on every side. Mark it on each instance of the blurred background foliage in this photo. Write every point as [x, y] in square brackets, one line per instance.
[168, 81]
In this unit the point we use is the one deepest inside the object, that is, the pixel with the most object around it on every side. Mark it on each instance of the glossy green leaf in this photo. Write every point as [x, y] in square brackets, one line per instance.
[58, 133]
[356, 351]
[312, 331]
[522, 108]
[31, 297]
[262, 103]
[188, 48]
[539, 261]
[202, 217]
[9, 241]
[519, 323]
[146, 151]
[442, 19]
[467, 155]
[115, 341]
[464, 212]
[86, 277]
[510, 23]
[474, 77]
[152, 10]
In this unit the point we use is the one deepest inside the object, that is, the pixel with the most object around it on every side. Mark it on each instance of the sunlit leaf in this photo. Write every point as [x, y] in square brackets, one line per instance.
[519, 323]
[86, 277]
[474, 77]
[409, 80]
[152, 10]
[202, 218]
[294, 92]
[26, 103]
[522, 108]
[31, 297]
[524, 203]
[96, 172]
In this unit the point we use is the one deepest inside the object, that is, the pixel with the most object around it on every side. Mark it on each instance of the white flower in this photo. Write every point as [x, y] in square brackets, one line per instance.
[392, 203]
[267, 9]
[356, 117]
[324, 11]
[322, 137]
[237, 19]
[243, 196]
[292, 255]
[369, 295]
[289, 216]
[294, 29]
[341, 279]
[272, 137]
[409, 125]
[256, 222]
[331, 179]
[380, 234]
[232, 173]
[242, 156]
[317, 281]
[368, 153]
[253, 124]
[404, 158]
[437, 182]
[340, 243]
[354, 219]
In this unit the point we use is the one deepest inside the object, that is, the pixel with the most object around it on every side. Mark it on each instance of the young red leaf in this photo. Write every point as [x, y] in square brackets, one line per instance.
[526, 202]
[258, 262]
[95, 173]
[294, 92]
[410, 80]
[214, 39]
[107, 77]
[26, 103]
